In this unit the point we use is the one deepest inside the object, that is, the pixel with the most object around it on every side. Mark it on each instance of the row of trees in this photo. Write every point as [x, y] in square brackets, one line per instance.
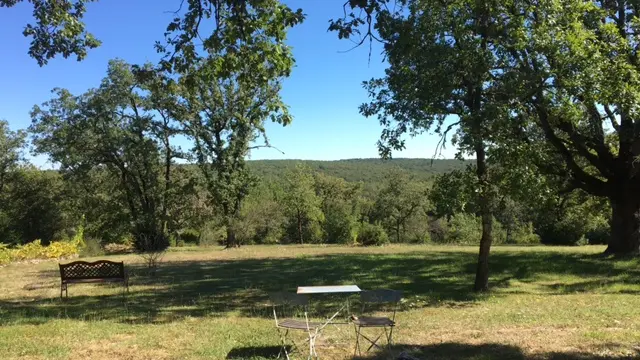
[299, 206]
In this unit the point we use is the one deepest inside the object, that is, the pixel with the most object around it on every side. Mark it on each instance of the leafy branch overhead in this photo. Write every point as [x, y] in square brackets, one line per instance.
[57, 29]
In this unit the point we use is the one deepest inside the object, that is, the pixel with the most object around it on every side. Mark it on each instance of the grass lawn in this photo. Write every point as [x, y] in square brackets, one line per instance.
[546, 303]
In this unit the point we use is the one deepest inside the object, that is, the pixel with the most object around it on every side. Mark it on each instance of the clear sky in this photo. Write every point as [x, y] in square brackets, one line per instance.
[324, 91]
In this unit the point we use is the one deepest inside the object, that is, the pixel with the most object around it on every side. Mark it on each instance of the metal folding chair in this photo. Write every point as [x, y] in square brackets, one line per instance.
[376, 297]
[289, 306]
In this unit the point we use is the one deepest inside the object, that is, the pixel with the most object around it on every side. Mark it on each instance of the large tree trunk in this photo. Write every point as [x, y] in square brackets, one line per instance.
[231, 237]
[482, 271]
[625, 224]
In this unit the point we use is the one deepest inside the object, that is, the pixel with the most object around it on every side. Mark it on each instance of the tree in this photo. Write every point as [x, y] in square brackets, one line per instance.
[452, 193]
[442, 65]
[302, 205]
[111, 127]
[400, 198]
[340, 203]
[574, 69]
[35, 206]
[227, 97]
[262, 217]
[11, 145]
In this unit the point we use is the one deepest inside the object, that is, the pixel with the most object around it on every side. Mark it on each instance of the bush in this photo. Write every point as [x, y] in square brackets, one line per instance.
[340, 228]
[114, 248]
[189, 236]
[568, 231]
[600, 234]
[524, 235]
[213, 235]
[91, 248]
[418, 230]
[438, 231]
[35, 250]
[5, 254]
[464, 229]
[372, 234]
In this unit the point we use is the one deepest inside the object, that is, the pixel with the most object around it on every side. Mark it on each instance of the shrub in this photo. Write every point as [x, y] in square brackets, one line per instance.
[438, 231]
[464, 229]
[600, 234]
[372, 234]
[213, 235]
[189, 236]
[5, 254]
[418, 230]
[524, 235]
[340, 228]
[35, 250]
[114, 248]
[567, 231]
[91, 248]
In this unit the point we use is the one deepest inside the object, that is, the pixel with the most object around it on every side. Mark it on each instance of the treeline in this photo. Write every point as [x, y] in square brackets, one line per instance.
[300, 204]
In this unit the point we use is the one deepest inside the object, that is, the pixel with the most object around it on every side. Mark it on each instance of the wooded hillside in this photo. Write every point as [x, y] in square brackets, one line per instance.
[369, 171]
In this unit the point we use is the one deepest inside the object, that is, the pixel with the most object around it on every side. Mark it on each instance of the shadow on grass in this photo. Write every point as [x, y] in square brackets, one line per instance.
[255, 352]
[489, 351]
[213, 288]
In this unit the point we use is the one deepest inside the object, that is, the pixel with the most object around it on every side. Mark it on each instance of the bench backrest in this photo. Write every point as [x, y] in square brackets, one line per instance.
[102, 269]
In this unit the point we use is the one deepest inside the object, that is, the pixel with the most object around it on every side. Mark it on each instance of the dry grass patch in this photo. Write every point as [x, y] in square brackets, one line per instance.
[546, 303]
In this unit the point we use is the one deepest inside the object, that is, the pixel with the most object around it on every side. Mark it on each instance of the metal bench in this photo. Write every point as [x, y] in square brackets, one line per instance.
[102, 271]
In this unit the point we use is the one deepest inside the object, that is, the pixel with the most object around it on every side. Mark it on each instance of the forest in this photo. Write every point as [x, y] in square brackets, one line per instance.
[357, 201]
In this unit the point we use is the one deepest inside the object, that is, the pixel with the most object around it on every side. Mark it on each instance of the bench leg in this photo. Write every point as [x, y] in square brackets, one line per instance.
[64, 289]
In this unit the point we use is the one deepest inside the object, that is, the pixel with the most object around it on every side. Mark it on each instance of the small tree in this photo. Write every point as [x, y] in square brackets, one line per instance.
[11, 146]
[302, 205]
[400, 198]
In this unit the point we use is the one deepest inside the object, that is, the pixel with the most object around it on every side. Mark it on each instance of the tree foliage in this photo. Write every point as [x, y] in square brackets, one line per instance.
[57, 29]
[302, 205]
[226, 97]
[11, 151]
[400, 199]
[111, 127]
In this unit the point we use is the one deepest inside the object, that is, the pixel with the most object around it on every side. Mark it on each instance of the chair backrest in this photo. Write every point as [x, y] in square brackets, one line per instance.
[380, 296]
[284, 298]
[288, 305]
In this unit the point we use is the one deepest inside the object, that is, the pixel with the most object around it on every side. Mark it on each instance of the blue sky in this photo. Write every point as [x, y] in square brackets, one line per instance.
[324, 91]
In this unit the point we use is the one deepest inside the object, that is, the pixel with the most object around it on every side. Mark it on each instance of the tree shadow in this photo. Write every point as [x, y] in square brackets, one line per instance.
[215, 287]
[487, 351]
[255, 352]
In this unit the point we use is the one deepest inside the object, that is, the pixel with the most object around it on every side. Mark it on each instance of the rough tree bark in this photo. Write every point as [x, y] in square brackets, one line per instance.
[625, 223]
[482, 271]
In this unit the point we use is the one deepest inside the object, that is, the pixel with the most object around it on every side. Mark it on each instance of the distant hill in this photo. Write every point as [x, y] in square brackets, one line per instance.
[370, 171]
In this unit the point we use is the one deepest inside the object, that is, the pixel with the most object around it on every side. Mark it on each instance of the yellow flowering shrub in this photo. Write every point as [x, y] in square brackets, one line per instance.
[35, 250]
[5, 254]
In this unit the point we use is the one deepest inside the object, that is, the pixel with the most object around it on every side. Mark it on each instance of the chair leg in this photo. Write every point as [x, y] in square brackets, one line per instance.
[357, 349]
[373, 343]
[283, 342]
[310, 346]
[315, 337]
